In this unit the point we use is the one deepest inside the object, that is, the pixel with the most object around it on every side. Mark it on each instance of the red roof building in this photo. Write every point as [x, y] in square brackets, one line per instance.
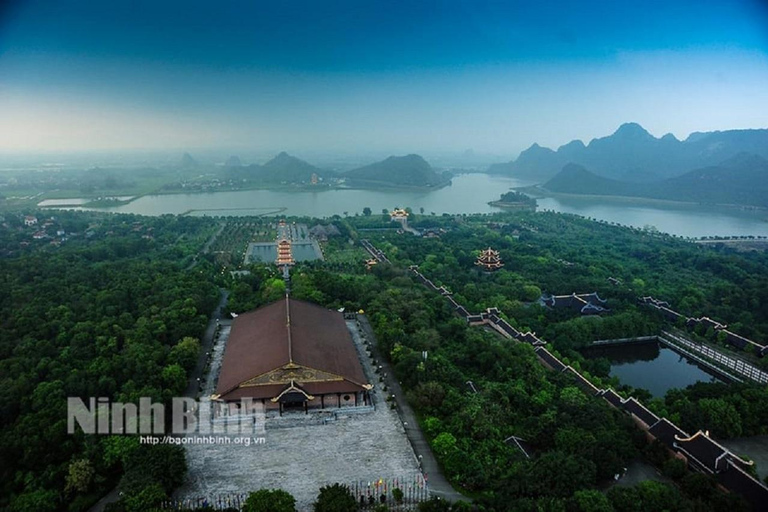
[292, 354]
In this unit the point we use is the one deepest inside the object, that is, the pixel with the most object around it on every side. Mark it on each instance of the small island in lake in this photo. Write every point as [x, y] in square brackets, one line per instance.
[516, 200]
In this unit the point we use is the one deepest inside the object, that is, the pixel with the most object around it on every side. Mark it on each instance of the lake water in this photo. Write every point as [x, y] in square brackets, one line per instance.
[469, 193]
[652, 366]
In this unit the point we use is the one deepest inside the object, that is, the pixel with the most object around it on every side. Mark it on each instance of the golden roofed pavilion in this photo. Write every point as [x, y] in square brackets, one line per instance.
[398, 214]
[489, 260]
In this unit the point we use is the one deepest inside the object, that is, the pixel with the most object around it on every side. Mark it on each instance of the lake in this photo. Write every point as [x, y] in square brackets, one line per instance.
[652, 366]
[469, 193]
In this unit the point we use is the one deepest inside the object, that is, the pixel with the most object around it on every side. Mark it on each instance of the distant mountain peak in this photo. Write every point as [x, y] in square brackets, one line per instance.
[283, 160]
[233, 161]
[670, 137]
[402, 170]
[632, 130]
[188, 161]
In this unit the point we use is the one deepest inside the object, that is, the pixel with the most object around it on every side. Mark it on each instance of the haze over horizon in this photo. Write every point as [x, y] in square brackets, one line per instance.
[348, 76]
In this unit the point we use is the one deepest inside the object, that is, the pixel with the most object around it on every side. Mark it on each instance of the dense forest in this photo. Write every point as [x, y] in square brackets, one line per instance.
[578, 441]
[115, 309]
[111, 314]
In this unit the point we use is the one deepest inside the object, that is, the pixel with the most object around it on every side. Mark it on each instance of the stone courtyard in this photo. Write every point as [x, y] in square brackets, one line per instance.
[308, 454]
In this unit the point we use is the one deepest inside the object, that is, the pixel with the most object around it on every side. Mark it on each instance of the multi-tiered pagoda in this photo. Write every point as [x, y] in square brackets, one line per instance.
[489, 260]
[284, 254]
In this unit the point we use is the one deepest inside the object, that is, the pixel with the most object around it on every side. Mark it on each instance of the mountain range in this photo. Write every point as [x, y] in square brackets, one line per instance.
[409, 170]
[631, 154]
[740, 180]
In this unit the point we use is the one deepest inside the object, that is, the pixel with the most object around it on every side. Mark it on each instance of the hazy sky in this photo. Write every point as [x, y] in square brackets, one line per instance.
[374, 75]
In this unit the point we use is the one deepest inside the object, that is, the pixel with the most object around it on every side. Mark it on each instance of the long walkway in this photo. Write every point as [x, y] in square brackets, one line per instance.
[731, 364]
[438, 484]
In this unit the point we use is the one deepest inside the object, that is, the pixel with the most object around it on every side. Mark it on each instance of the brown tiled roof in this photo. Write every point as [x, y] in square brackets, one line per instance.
[666, 431]
[263, 340]
[736, 480]
[612, 398]
[709, 452]
[632, 406]
[550, 359]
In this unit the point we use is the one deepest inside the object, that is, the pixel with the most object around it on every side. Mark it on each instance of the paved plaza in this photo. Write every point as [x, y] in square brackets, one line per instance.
[302, 458]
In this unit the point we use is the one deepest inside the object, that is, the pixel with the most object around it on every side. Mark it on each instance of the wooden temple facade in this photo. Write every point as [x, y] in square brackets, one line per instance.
[292, 355]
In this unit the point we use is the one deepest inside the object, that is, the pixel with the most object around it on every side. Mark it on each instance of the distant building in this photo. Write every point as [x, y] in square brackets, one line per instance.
[489, 260]
[313, 179]
[398, 214]
[30, 220]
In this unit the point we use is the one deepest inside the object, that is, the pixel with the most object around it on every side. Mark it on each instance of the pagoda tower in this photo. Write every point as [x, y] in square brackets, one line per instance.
[489, 260]
[284, 255]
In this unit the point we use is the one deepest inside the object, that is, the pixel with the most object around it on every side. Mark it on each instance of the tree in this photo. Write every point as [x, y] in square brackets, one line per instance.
[435, 504]
[270, 500]
[79, 476]
[147, 499]
[444, 443]
[335, 498]
[185, 353]
[174, 379]
[162, 464]
[367, 211]
[36, 501]
[675, 468]
[721, 417]
[591, 501]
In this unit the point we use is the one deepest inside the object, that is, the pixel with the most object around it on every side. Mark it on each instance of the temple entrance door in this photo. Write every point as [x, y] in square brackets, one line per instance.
[291, 406]
[293, 401]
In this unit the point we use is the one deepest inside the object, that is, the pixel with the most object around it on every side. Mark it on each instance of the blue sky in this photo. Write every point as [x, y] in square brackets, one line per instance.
[365, 75]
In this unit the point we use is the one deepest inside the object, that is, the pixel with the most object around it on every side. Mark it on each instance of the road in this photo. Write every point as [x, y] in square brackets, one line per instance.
[438, 484]
[206, 343]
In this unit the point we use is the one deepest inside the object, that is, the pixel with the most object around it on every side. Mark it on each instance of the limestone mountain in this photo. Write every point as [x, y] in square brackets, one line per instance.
[632, 154]
[283, 168]
[409, 170]
[233, 161]
[187, 161]
[739, 180]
